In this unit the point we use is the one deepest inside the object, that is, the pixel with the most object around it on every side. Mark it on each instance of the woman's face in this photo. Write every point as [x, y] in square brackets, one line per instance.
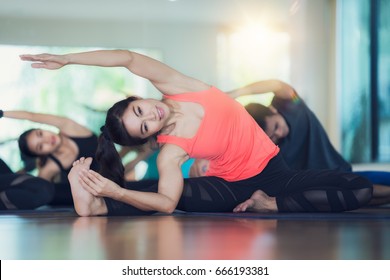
[276, 127]
[43, 142]
[145, 117]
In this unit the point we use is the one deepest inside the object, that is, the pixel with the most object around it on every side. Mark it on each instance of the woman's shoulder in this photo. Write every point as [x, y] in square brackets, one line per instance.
[83, 134]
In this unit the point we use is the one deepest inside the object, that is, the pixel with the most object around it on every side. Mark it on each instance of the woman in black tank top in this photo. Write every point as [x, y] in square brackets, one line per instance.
[53, 152]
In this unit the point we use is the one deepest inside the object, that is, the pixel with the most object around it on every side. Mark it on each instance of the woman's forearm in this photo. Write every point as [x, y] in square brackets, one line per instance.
[279, 88]
[20, 115]
[104, 58]
[170, 188]
[49, 119]
[147, 201]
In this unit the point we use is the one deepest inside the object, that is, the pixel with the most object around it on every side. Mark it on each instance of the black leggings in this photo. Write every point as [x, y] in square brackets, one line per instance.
[295, 191]
[23, 191]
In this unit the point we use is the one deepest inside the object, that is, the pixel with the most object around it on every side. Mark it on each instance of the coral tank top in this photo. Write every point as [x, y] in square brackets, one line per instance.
[228, 137]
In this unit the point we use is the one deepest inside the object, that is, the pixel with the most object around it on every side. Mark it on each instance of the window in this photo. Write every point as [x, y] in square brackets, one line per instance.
[365, 83]
[383, 79]
[252, 53]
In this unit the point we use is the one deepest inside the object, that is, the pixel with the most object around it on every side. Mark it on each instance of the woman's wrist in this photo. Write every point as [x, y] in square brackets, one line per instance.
[119, 193]
[67, 59]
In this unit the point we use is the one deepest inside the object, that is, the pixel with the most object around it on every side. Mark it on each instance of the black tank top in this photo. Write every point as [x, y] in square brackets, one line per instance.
[87, 148]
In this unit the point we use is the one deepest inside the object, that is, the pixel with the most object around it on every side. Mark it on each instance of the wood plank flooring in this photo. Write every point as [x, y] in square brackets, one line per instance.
[65, 236]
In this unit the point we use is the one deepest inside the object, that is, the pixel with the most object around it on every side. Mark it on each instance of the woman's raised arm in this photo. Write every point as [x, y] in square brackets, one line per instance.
[279, 88]
[64, 124]
[163, 77]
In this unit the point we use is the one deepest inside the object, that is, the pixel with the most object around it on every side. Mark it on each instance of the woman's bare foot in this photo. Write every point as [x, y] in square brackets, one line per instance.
[85, 203]
[259, 202]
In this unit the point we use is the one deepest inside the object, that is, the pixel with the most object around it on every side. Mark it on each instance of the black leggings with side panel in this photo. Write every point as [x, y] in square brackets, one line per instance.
[295, 191]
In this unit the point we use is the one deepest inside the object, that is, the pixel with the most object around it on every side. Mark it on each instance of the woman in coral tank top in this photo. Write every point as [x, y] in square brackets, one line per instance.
[195, 120]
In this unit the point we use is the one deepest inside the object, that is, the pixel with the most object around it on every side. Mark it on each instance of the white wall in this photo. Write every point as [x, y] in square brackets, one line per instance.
[191, 48]
[313, 67]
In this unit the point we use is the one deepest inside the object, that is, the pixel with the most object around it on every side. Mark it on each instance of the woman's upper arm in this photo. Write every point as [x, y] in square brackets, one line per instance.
[166, 79]
[72, 128]
[169, 163]
[62, 123]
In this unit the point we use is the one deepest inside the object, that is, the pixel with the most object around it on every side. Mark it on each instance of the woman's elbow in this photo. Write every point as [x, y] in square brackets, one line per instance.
[127, 59]
[169, 211]
[169, 208]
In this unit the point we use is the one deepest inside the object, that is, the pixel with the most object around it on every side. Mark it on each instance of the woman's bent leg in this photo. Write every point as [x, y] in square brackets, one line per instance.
[311, 190]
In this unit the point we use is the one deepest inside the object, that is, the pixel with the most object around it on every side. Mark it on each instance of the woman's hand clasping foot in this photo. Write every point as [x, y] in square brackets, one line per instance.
[85, 203]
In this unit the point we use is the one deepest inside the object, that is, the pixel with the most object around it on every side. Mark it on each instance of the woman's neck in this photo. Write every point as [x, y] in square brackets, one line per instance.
[175, 113]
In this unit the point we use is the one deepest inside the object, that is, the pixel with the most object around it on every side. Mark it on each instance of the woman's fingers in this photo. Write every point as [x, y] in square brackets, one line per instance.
[89, 178]
[87, 187]
[34, 57]
[38, 65]
[97, 176]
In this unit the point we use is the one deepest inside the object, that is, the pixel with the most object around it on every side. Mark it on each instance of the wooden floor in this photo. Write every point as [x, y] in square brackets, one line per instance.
[61, 235]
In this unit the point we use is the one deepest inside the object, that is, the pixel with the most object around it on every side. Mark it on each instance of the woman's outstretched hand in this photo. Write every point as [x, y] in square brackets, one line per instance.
[47, 61]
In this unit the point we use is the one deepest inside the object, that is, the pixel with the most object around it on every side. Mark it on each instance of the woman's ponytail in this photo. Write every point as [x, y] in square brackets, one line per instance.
[109, 160]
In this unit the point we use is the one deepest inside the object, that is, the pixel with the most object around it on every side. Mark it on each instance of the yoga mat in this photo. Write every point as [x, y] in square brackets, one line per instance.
[42, 210]
[377, 213]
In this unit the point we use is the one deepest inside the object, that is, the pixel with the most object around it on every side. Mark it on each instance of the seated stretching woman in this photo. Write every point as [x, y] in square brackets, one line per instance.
[199, 121]
[55, 151]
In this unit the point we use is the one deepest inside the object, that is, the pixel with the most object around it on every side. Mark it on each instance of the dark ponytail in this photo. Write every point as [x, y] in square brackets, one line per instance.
[109, 160]
[114, 131]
